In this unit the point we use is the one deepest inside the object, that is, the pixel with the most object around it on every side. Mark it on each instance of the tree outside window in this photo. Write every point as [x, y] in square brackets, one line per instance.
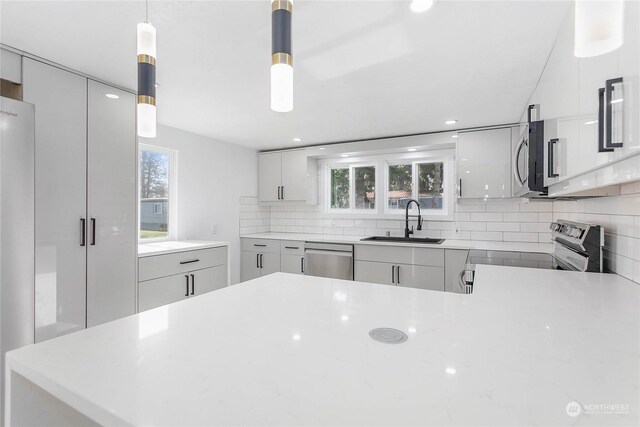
[155, 171]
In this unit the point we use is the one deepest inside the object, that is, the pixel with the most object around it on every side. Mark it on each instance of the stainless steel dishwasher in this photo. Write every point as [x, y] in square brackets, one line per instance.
[332, 260]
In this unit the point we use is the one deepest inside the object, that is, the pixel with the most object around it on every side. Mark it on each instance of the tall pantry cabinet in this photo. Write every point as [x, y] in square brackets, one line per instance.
[86, 222]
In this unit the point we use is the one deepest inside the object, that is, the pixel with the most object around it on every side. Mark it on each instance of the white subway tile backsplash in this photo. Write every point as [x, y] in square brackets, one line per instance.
[520, 237]
[473, 226]
[488, 216]
[503, 226]
[521, 217]
[486, 235]
[463, 216]
[464, 206]
[534, 227]
[537, 206]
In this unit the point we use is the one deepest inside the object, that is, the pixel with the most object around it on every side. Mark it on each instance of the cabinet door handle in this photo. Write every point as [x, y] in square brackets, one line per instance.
[302, 265]
[83, 232]
[393, 274]
[186, 294]
[398, 275]
[190, 261]
[460, 189]
[609, 120]
[261, 260]
[601, 144]
[279, 197]
[551, 168]
[193, 284]
[257, 260]
[93, 231]
[282, 192]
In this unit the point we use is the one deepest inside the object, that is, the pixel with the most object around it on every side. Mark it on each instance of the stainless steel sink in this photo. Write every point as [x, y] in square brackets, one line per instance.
[424, 240]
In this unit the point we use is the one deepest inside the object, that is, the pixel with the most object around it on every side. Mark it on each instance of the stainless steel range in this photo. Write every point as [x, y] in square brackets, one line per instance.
[578, 247]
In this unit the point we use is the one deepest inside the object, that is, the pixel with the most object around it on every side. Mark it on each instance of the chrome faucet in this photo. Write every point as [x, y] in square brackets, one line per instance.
[408, 232]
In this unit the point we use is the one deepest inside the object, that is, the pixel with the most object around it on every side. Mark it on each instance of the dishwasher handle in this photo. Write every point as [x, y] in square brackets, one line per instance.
[328, 252]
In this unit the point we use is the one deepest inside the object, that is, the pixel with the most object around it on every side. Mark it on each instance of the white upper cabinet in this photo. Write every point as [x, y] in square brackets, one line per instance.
[580, 121]
[269, 176]
[484, 164]
[287, 176]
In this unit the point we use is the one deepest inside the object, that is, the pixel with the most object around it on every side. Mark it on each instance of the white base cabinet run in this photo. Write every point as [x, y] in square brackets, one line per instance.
[400, 266]
[260, 257]
[168, 278]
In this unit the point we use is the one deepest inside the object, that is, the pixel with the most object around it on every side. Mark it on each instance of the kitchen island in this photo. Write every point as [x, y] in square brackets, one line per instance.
[295, 350]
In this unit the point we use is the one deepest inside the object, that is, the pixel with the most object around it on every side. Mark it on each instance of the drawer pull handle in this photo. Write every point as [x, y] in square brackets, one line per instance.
[260, 246]
[190, 261]
[292, 247]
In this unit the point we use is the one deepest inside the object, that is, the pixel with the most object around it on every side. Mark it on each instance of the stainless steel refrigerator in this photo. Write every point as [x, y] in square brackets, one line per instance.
[17, 228]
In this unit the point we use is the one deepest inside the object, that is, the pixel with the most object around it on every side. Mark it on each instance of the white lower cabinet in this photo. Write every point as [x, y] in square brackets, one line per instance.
[411, 276]
[165, 279]
[166, 290]
[259, 257]
[292, 257]
[455, 261]
[421, 268]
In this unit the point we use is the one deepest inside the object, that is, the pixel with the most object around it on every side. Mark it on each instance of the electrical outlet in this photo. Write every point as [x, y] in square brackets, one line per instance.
[214, 228]
[457, 228]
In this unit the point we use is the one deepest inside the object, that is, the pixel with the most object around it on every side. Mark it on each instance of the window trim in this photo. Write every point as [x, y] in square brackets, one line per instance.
[381, 163]
[172, 212]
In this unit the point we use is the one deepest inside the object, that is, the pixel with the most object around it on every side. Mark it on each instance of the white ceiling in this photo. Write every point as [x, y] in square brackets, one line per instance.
[363, 69]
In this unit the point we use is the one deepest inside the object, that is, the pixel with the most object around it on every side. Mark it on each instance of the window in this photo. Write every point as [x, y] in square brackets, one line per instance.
[155, 192]
[352, 188]
[421, 180]
[382, 185]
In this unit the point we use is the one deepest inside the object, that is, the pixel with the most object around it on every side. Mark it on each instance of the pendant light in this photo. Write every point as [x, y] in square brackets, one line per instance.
[146, 78]
[281, 57]
[599, 27]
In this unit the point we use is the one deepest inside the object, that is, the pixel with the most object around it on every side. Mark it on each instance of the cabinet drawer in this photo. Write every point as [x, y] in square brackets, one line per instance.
[153, 267]
[400, 255]
[261, 245]
[291, 247]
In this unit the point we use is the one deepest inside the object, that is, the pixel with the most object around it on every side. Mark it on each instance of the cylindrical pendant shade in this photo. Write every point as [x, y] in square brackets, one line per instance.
[281, 88]
[146, 120]
[281, 56]
[146, 80]
[599, 27]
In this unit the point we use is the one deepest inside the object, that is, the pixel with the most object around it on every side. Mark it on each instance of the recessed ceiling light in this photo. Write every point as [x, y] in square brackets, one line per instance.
[345, 318]
[411, 149]
[297, 139]
[450, 371]
[344, 155]
[419, 6]
[412, 330]
[616, 101]
[591, 122]
[296, 337]
[468, 171]
[454, 136]
[450, 122]
[321, 148]
[112, 96]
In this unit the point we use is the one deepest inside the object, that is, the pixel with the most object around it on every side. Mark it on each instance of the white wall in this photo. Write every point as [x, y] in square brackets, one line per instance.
[212, 176]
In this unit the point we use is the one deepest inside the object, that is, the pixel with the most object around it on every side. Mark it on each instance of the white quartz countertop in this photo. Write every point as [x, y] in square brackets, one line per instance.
[295, 350]
[171, 246]
[447, 244]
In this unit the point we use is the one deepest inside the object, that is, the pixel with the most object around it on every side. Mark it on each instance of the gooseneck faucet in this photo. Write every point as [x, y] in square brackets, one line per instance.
[408, 232]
